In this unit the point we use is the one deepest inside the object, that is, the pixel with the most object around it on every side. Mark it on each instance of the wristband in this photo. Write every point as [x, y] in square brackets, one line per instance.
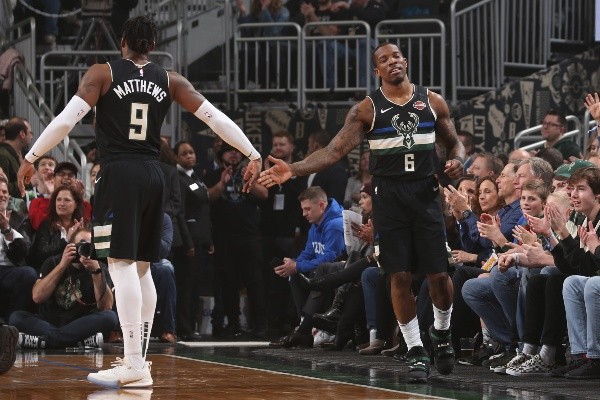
[96, 272]
[460, 160]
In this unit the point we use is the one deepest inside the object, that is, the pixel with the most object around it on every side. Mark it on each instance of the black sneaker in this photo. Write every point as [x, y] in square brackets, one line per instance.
[419, 365]
[476, 359]
[587, 371]
[443, 352]
[572, 365]
[9, 336]
[488, 349]
[31, 341]
[499, 362]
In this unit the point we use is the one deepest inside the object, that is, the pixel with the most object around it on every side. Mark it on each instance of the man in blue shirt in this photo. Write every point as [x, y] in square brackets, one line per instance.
[325, 243]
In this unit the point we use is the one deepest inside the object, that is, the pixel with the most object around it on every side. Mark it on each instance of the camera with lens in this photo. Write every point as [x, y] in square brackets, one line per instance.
[84, 249]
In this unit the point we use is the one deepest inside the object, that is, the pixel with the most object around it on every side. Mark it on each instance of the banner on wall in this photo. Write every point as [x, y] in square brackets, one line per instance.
[496, 117]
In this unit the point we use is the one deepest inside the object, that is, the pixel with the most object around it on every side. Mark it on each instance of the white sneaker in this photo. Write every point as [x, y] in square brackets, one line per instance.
[112, 394]
[94, 341]
[123, 375]
[322, 337]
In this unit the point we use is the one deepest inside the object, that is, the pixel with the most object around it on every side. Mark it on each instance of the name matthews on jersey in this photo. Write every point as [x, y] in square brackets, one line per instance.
[140, 85]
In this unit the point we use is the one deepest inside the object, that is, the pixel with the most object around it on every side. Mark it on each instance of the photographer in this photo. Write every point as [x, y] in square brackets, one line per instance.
[75, 302]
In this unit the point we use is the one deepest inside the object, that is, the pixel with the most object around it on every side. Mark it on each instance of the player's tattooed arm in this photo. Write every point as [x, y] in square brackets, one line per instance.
[94, 83]
[358, 121]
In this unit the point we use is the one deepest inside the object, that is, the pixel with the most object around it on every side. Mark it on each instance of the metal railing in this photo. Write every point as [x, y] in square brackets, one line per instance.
[526, 26]
[59, 81]
[21, 36]
[337, 63]
[267, 64]
[426, 50]
[29, 103]
[476, 51]
[572, 22]
[575, 129]
[489, 36]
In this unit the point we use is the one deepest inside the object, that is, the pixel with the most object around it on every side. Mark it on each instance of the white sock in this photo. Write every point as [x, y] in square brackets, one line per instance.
[441, 319]
[548, 354]
[128, 296]
[148, 306]
[486, 335]
[530, 349]
[411, 333]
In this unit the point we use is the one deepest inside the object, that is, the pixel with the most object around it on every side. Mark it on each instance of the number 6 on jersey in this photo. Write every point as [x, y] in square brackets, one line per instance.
[409, 162]
[139, 118]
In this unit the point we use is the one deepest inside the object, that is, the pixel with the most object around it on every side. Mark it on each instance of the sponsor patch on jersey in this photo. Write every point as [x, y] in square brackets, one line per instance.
[419, 105]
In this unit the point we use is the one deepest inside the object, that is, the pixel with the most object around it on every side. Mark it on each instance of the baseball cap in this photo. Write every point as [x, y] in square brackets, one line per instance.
[66, 165]
[565, 171]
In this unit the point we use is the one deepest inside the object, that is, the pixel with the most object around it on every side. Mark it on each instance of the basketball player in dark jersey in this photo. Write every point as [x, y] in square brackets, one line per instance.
[132, 96]
[402, 122]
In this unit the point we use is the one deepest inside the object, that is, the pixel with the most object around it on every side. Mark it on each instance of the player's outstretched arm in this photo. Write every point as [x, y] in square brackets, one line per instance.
[357, 123]
[90, 88]
[183, 92]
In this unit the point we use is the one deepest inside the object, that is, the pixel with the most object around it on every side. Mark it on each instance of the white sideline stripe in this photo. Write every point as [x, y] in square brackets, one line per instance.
[224, 344]
[418, 395]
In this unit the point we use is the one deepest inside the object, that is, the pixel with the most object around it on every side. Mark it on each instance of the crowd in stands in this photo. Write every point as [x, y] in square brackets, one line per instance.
[522, 234]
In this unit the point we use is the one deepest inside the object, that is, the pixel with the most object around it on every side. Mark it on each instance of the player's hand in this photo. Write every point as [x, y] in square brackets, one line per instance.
[453, 168]
[251, 175]
[26, 171]
[279, 173]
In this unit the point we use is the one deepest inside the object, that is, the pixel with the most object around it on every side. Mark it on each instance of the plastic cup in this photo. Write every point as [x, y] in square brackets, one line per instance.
[467, 347]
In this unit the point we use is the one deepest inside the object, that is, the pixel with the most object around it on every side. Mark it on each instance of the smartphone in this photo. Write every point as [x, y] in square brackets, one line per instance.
[276, 262]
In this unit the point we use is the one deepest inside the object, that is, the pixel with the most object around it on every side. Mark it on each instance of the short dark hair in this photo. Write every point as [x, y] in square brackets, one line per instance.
[468, 136]
[13, 127]
[552, 155]
[166, 154]
[561, 116]
[538, 186]
[140, 34]
[494, 164]
[322, 137]
[380, 45]
[589, 174]
[36, 163]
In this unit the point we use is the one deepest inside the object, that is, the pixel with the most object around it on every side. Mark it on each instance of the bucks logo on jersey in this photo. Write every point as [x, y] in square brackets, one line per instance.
[406, 129]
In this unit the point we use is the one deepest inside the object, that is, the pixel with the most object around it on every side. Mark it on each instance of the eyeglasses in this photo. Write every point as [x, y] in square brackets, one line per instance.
[63, 174]
[551, 124]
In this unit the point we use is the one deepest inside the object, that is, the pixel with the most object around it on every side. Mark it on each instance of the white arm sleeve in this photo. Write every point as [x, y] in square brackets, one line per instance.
[60, 127]
[226, 129]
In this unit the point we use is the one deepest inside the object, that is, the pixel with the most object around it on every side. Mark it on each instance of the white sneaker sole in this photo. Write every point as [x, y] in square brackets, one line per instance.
[141, 383]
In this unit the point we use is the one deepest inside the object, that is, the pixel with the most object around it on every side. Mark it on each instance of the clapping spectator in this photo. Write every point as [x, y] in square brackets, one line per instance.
[65, 217]
[42, 181]
[16, 279]
[65, 174]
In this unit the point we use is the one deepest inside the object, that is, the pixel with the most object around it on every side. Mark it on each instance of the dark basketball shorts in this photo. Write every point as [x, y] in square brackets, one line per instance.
[407, 215]
[128, 210]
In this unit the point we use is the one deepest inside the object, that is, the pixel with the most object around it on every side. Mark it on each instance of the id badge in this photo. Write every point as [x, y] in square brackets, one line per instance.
[279, 202]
